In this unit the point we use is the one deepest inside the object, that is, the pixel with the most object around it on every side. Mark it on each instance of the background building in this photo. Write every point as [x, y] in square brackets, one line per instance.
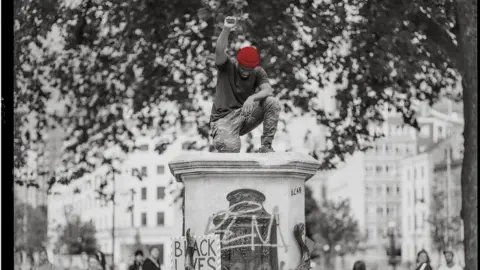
[432, 199]
[144, 209]
[375, 181]
[40, 170]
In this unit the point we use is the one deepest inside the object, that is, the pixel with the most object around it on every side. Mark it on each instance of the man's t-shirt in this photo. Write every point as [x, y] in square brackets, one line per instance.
[454, 267]
[232, 91]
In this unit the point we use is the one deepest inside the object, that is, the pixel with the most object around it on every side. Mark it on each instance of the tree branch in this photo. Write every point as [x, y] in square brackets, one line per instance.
[439, 35]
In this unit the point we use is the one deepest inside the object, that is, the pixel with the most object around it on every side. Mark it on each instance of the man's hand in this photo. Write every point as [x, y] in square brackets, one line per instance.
[230, 22]
[248, 106]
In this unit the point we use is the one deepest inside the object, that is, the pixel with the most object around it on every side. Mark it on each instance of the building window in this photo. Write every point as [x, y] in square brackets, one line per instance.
[380, 211]
[425, 131]
[144, 171]
[370, 232]
[160, 218]
[399, 129]
[398, 190]
[160, 169]
[422, 172]
[387, 189]
[89, 184]
[379, 190]
[144, 220]
[143, 147]
[392, 210]
[378, 148]
[144, 194]
[414, 173]
[386, 168]
[414, 148]
[387, 148]
[440, 132]
[379, 169]
[397, 149]
[160, 193]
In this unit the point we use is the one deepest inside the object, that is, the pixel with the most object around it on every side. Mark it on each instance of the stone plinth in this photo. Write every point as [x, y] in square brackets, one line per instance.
[253, 201]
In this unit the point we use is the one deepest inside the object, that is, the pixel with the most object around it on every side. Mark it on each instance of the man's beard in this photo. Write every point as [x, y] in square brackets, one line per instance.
[242, 76]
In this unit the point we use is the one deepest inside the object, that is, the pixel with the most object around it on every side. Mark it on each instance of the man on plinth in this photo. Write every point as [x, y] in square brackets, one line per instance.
[243, 97]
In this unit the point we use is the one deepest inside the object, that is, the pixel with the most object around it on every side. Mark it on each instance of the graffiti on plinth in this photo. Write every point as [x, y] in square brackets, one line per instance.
[248, 232]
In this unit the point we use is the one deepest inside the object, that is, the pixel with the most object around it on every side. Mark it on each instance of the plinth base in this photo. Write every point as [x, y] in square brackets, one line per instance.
[253, 201]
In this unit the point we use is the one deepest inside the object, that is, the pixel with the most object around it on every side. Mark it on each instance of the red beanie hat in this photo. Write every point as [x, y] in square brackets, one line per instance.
[248, 56]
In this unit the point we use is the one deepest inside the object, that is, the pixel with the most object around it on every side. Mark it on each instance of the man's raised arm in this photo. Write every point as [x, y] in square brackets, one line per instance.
[222, 42]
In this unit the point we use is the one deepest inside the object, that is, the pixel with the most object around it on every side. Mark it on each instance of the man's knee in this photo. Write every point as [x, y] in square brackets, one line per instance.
[226, 142]
[272, 103]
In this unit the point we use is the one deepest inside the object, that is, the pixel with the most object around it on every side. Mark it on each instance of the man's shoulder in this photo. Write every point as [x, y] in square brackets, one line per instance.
[259, 69]
[260, 73]
[228, 64]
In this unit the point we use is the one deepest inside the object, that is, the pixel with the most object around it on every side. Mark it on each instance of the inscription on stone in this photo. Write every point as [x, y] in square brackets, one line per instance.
[296, 191]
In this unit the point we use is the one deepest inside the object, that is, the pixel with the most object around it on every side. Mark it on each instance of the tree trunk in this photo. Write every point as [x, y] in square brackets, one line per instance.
[467, 39]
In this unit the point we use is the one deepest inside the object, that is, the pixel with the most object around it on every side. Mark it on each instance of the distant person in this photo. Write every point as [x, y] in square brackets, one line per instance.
[137, 261]
[43, 262]
[359, 265]
[423, 261]
[29, 263]
[18, 260]
[450, 263]
[96, 261]
[152, 262]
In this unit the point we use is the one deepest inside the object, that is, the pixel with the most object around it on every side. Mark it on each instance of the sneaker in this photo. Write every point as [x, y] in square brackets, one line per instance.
[266, 149]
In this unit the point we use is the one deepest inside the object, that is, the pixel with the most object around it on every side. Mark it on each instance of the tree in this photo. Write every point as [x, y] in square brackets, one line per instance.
[441, 225]
[78, 236]
[32, 23]
[311, 209]
[36, 234]
[467, 40]
[401, 52]
[335, 225]
[128, 83]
